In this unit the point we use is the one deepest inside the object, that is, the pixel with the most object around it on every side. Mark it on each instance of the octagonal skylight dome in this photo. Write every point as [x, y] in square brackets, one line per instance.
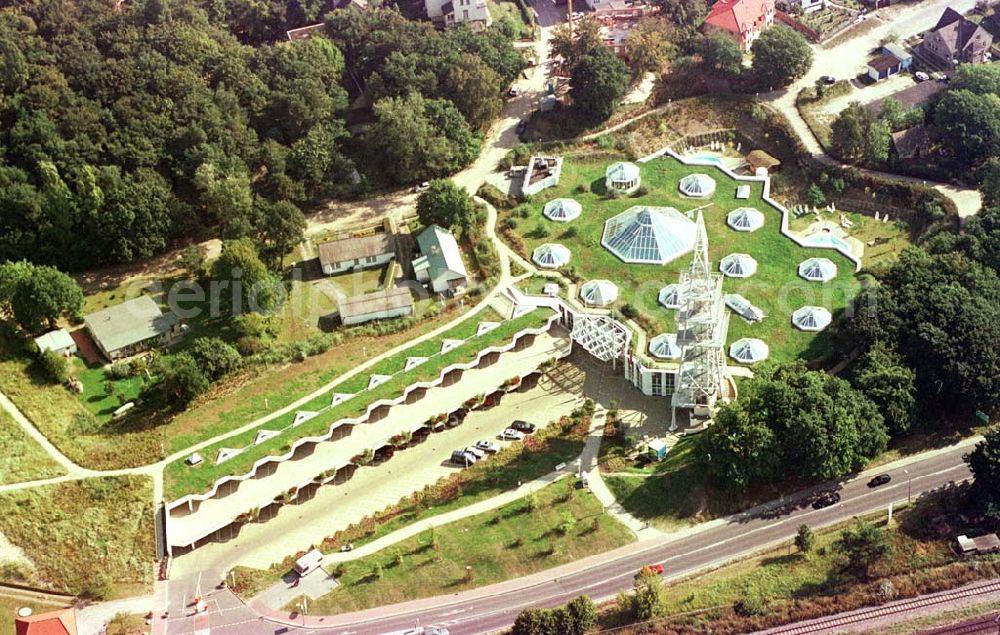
[649, 235]
[811, 318]
[550, 256]
[738, 266]
[697, 185]
[748, 350]
[599, 292]
[562, 210]
[670, 296]
[622, 176]
[664, 346]
[818, 269]
[745, 219]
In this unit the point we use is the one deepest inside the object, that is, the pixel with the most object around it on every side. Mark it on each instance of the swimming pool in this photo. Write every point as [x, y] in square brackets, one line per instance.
[707, 158]
[826, 240]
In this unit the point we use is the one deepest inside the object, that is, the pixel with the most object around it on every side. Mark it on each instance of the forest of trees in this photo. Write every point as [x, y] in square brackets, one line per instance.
[125, 131]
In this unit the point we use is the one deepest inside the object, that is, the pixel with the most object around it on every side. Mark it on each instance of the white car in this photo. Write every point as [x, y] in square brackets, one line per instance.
[476, 452]
[510, 434]
[921, 76]
[488, 446]
[514, 91]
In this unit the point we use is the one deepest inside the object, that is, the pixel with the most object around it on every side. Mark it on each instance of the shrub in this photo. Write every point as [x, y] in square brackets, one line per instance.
[53, 367]
[125, 624]
[214, 357]
[99, 586]
[118, 371]
[569, 232]
[642, 190]
[540, 231]
[629, 311]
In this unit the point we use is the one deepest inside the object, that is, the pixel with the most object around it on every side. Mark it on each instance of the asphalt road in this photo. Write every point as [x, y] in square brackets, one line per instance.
[493, 608]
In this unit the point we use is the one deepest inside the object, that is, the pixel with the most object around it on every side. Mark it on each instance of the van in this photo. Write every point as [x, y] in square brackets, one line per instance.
[463, 458]
[308, 563]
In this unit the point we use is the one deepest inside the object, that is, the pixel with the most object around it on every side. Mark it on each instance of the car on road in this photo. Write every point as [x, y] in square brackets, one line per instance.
[522, 127]
[488, 446]
[514, 91]
[454, 420]
[510, 434]
[476, 452]
[577, 15]
[463, 458]
[828, 79]
[421, 187]
[523, 426]
[655, 568]
[921, 76]
[830, 498]
[881, 479]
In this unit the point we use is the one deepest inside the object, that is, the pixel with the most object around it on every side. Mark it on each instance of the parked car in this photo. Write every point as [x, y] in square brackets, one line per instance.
[438, 426]
[921, 76]
[454, 420]
[463, 458]
[423, 186]
[522, 127]
[523, 426]
[828, 79]
[881, 479]
[939, 76]
[510, 434]
[830, 498]
[476, 452]
[514, 91]
[488, 446]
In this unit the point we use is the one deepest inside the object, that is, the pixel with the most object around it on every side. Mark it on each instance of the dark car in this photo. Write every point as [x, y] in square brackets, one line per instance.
[828, 79]
[523, 426]
[881, 479]
[830, 498]
[522, 127]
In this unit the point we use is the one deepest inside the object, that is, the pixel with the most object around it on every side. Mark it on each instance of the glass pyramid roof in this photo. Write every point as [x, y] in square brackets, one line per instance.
[649, 235]
[670, 296]
[550, 256]
[599, 292]
[738, 266]
[748, 350]
[562, 209]
[745, 219]
[665, 346]
[818, 269]
[811, 318]
[622, 172]
[697, 185]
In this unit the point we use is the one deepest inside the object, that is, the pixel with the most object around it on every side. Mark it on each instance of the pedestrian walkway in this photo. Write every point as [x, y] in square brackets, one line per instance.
[92, 618]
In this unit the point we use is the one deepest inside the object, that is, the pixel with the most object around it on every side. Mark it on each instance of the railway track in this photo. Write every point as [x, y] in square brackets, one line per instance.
[894, 608]
[982, 626]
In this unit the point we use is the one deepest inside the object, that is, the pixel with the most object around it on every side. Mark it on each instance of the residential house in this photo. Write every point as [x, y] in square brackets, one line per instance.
[440, 263]
[60, 622]
[379, 305]
[358, 252]
[132, 327]
[744, 19]
[912, 143]
[475, 13]
[59, 341]
[956, 39]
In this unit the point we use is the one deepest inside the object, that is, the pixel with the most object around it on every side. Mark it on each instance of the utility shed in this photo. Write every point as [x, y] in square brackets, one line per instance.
[380, 305]
[440, 262]
[979, 545]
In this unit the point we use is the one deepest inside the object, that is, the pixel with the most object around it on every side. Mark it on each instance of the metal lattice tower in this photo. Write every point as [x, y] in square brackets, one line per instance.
[600, 335]
[702, 324]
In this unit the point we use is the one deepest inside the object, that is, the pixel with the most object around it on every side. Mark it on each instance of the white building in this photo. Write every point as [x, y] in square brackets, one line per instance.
[475, 13]
[440, 263]
[362, 252]
[58, 341]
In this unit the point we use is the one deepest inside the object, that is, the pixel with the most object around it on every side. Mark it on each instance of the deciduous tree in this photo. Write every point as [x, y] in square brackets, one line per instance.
[780, 56]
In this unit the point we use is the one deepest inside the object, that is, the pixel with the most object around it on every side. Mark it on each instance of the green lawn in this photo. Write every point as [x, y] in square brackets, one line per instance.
[565, 525]
[24, 460]
[775, 288]
[95, 397]
[181, 479]
[79, 532]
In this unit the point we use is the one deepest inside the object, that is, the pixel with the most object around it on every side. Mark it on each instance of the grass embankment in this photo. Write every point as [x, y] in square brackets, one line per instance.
[93, 536]
[68, 420]
[560, 524]
[783, 585]
[181, 479]
[812, 110]
[775, 287]
[24, 460]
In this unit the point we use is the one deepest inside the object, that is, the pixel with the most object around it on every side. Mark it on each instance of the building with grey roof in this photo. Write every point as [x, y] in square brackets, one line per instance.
[132, 327]
[379, 305]
[440, 263]
[360, 252]
[956, 39]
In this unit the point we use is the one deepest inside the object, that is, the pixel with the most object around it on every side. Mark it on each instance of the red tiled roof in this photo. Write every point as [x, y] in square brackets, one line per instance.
[61, 622]
[738, 16]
